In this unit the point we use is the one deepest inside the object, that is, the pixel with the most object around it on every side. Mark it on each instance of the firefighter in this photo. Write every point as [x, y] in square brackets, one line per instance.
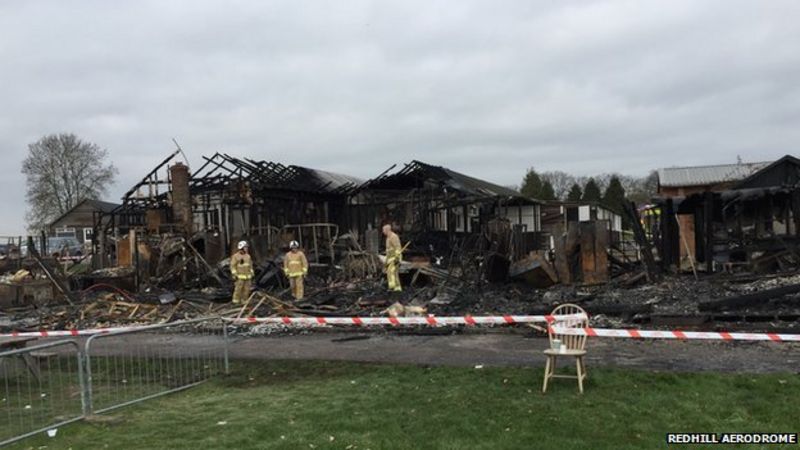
[394, 254]
[295, 266]
[242, 271]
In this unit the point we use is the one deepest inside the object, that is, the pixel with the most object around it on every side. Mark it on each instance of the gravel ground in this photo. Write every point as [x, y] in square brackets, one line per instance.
[489, 349]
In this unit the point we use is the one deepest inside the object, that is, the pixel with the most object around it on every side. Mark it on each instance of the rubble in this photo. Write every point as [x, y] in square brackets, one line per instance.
[534, 271]
[397, 309]
[752, 299]
[99, 308]
[471, 247]
[676, 301]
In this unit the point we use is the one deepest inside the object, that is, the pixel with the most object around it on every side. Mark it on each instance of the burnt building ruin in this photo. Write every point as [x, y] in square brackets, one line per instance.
[752, 223]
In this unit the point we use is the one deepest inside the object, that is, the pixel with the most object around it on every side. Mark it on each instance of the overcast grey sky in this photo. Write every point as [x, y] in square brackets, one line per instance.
[486, 88]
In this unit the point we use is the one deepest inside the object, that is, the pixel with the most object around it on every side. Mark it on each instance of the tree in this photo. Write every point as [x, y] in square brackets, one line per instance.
[575, 193]
[531, 184]
[614, 197]
[641, 190]
[602, 180]
[650, 185]
[61, 170]
[547, 193]
[591, 192]
[561, 182]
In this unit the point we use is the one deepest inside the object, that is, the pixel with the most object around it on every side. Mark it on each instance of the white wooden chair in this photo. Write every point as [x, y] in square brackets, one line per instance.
[575, 345]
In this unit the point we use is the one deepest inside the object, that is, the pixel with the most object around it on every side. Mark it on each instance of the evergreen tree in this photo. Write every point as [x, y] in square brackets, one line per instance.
[614, 196]
[591, 192]
[575, 193]
[561, 182]
[531, 184]
[548, 193]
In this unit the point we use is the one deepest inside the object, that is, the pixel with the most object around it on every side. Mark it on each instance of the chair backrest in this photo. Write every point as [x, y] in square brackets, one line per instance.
[572, 341]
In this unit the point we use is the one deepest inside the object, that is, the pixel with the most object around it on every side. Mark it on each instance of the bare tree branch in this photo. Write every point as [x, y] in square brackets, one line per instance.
[61, 171]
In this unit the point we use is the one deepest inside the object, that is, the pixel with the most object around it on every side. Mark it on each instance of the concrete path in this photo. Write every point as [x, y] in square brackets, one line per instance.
[492, 349]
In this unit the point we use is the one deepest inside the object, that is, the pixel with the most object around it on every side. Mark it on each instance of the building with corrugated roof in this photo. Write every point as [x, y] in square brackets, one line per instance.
[683, 181]
[747, 213]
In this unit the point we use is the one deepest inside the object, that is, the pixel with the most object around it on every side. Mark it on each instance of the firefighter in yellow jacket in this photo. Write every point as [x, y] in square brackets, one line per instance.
[295, 266]
[394, 254]
[242, 271]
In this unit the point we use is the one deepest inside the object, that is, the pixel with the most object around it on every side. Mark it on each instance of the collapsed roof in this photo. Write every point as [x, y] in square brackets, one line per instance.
[222, 169]
[416, 174]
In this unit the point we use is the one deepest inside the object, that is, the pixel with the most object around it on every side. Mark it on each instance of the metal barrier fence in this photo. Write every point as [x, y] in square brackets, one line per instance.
[42, 388]
[127, 367]
[47, 386]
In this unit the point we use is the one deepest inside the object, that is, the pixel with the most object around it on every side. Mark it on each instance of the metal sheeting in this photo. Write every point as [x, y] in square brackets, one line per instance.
[705, 175]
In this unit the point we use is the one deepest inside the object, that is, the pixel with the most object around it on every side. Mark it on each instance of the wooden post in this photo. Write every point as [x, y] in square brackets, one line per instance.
[699, 234]
[769, 216]
[686, 246]
[115, 230]
[670, 236]
[571, 250]
[43, 244]
[648, 260]
[135, 253]
[664, 250]
[588, 263]
[316, 247]
[601, 251]
[785, 208]
[796, 211]
[709, 219]
[100, 259]
[561, 257]
[330, 246]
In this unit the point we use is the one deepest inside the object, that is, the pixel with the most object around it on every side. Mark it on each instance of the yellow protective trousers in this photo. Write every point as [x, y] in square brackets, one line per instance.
[392, 276]
[296, 283]
[241, 290]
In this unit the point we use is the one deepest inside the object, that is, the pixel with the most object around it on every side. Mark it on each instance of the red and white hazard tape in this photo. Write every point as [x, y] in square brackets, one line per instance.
[555, 323]
[322, 321]
[397, 321]
[682, 335]
[63, 333]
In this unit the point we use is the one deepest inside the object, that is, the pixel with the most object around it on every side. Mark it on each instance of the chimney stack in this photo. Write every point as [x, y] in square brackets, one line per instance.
[181, 200]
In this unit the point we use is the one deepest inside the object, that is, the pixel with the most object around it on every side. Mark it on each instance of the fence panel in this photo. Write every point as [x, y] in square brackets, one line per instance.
[42, 389]
[131, 366]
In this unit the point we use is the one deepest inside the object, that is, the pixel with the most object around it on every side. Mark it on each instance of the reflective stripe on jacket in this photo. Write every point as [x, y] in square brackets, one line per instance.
[295, 264]
[242, 266]
[394, 251]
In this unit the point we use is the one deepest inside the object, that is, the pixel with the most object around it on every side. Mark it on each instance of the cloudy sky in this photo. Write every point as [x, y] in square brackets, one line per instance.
[487, 88]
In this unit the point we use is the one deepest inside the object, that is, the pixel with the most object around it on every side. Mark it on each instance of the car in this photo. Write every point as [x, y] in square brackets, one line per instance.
[64, 246]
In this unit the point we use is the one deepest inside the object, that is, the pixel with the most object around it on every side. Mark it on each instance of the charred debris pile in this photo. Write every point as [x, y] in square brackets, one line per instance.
[473, 248]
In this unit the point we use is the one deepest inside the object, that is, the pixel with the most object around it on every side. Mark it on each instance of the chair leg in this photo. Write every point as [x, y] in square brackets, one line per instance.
[583, 368]
[578, 364]
[546, 375]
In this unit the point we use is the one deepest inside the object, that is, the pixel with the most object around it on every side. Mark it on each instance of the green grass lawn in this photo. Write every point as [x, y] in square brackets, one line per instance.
[28, 402]
[332, 405]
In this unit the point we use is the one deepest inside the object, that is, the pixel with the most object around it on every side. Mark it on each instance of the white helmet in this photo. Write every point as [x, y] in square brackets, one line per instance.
[242, 244]
[294, 244]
